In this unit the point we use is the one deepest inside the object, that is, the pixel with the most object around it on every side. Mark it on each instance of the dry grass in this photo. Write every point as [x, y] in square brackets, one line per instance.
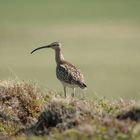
[25, 110]
[20, 103]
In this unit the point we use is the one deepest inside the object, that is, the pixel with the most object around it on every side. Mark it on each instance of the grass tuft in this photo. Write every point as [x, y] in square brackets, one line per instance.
[20, 103]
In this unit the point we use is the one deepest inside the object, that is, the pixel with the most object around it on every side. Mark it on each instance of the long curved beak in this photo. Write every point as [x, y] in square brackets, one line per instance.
[48, 46]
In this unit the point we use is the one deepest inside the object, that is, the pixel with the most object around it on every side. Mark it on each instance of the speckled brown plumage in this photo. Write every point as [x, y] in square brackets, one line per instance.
[66, 72]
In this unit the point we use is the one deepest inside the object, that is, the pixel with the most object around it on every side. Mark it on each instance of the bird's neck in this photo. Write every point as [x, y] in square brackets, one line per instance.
[58, 56]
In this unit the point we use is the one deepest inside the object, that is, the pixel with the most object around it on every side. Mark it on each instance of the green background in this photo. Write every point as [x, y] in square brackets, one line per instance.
[101, 37]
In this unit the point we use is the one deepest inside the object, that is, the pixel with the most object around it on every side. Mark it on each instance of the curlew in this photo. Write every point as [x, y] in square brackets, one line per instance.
[66, 72]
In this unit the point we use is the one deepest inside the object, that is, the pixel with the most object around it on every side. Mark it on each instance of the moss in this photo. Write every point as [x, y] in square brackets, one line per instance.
[8, 128]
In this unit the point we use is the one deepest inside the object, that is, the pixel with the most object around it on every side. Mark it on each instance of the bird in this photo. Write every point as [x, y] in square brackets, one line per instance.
[68, 74]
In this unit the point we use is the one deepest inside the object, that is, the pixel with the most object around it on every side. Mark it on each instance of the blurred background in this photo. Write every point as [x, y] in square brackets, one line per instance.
[101, 37]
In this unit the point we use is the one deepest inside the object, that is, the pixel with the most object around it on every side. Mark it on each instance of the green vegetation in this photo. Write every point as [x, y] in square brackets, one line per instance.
[19, 104]
[64, 11]
[101, 37]
[28, 113]
[106, 33]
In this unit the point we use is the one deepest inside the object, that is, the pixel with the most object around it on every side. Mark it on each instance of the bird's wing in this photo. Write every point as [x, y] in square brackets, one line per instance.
[70, 74]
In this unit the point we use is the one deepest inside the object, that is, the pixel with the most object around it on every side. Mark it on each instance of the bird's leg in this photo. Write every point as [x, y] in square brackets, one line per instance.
[65, 91]
[73, 94]
[83, 95]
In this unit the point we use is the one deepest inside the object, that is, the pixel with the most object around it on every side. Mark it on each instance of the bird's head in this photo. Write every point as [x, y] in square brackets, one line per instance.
[54, 45]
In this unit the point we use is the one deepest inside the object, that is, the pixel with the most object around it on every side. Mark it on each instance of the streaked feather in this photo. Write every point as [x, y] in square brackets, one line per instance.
[68, 73]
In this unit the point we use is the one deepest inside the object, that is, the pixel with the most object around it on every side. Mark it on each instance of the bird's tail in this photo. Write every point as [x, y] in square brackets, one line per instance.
[82, 85]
